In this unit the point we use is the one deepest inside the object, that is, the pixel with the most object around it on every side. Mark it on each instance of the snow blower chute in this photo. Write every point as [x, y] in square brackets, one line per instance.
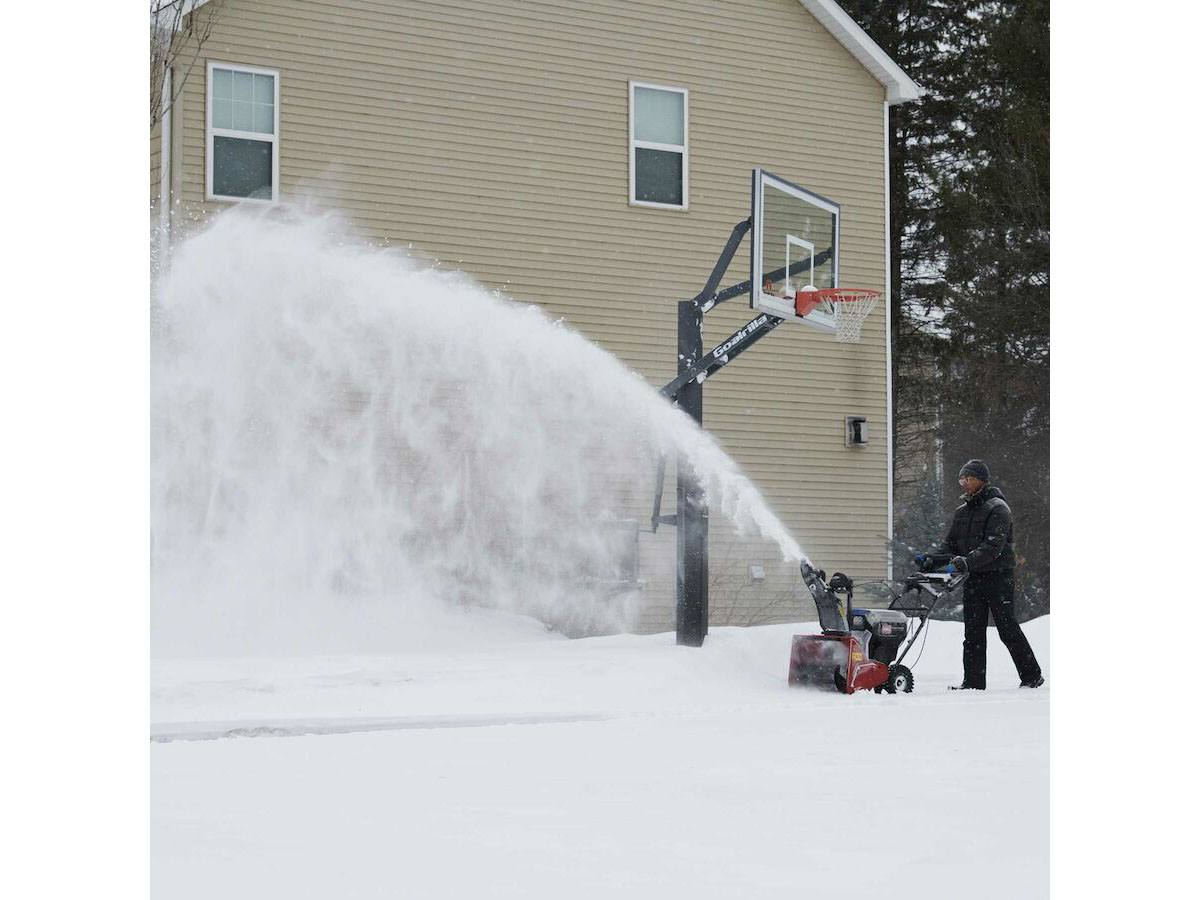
[860, 649]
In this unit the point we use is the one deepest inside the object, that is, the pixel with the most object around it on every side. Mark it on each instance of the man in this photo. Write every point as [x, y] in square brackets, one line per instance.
[980, 543]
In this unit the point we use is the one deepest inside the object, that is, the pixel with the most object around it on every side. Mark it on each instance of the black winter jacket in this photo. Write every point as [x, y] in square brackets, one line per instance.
[982, 531]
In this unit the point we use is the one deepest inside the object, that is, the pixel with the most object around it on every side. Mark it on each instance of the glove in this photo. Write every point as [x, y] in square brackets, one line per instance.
[958, 564]
[919, 558]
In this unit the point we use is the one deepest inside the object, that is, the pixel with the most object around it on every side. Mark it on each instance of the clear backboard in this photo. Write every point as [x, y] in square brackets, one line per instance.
[795, 245]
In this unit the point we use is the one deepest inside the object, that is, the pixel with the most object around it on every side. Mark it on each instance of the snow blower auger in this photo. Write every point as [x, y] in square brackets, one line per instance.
[860, 649]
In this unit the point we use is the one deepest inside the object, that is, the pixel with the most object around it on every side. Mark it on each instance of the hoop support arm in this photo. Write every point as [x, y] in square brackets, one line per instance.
[656, 517]
[743, 287]
[706, 299]
[724, 353]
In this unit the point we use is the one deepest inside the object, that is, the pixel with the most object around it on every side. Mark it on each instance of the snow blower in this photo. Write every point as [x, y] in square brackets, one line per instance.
[861, 648]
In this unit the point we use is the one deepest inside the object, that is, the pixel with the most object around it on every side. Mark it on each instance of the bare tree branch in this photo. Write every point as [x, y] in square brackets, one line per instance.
[179, 30]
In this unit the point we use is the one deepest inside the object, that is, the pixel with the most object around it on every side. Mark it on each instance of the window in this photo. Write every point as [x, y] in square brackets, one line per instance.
[658, 155]
[242, 156]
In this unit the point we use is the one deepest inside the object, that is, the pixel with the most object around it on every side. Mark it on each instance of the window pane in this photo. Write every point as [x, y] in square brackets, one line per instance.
[243, 116]
[222, 83]
[242, 168]
[222, 113]
[658, 116]
[264, 119]
[264, 89]
[658, 176]
[243, 86]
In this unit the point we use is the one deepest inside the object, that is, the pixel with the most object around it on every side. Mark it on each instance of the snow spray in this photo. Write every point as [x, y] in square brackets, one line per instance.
[347, 442]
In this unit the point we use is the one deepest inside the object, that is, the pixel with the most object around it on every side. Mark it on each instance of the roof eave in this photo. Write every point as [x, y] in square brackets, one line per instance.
[900, 88]
[189, 7]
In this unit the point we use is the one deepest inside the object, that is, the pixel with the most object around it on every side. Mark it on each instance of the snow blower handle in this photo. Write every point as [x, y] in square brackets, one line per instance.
[946, 581]
[931, 562]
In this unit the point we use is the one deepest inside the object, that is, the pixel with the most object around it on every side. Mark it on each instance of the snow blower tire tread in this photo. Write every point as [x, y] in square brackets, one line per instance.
[900, 678]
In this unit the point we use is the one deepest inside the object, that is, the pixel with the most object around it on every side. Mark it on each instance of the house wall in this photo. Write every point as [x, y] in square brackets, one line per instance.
[493, 135]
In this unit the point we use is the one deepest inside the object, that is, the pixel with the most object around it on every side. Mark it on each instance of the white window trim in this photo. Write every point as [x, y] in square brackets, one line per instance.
[210, 133]
[650, 145]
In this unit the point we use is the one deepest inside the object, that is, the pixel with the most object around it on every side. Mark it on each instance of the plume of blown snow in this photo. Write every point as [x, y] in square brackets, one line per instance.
[348, 442]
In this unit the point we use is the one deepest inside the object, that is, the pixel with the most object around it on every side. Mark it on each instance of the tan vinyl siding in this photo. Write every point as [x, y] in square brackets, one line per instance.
[493, 136]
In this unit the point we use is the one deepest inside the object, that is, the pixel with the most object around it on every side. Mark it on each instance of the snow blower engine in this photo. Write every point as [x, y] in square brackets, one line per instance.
[861, 648]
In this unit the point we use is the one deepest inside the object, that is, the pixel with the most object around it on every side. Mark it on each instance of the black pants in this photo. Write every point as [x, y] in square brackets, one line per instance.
[993, 591]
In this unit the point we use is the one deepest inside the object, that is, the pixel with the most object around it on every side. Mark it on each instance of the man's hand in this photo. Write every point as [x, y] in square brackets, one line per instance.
[958, 564]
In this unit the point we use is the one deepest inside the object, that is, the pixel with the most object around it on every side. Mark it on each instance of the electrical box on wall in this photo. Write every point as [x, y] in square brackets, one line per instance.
[856, 431]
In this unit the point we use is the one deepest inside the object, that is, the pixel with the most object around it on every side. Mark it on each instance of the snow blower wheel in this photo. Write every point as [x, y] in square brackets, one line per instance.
[899, 680]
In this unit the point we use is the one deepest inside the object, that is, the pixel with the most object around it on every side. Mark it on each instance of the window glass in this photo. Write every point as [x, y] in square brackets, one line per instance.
[264, 89]
[243, 86]
[222, 111]
[658, 116]
[242, 168]
[243, 116]
[243, 101]
[659, 176]
[222, 84]
[264, 119]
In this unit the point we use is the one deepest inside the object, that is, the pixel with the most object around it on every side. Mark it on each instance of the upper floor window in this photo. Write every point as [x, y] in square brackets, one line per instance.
[658, 154]
[242, 157]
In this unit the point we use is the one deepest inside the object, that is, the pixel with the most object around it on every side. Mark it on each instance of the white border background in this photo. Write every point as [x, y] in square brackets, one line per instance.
[1123, 522]
[74, 352]
[74, 358]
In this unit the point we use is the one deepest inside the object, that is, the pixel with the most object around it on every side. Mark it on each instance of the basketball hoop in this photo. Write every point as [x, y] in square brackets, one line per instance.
[851, 306]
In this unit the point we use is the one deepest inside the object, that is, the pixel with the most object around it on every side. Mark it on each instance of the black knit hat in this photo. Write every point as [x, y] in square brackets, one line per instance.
[976, 467]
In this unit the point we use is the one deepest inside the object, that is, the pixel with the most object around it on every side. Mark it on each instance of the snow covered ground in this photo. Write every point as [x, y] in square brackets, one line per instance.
[492, 759]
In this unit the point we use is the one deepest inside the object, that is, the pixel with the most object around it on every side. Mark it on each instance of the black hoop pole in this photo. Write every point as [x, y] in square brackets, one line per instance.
[693, 366]
[691, 511]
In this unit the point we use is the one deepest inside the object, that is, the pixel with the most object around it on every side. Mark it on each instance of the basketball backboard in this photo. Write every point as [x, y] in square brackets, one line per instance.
[795, 245]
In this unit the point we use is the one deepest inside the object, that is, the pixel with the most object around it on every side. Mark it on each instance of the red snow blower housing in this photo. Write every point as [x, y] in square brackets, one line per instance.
[860, 649]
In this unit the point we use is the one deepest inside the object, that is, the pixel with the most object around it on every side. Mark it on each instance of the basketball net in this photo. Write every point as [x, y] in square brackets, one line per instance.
[851, 306]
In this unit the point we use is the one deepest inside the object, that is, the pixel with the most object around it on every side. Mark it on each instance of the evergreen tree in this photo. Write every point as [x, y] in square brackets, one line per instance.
[994, 215]
[970, 258]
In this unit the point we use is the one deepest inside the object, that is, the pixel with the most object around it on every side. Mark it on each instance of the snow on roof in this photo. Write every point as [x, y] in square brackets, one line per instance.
[900, 88]
[165, 6]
